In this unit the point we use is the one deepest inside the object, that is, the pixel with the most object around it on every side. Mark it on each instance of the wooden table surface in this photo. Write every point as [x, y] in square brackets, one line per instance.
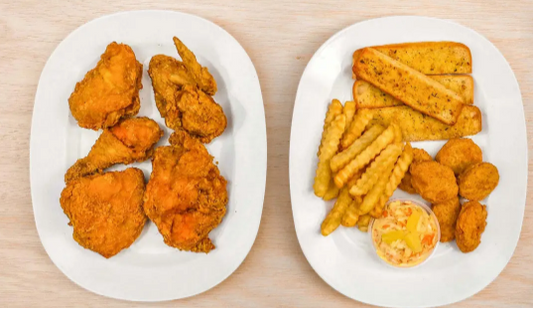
[280, 38]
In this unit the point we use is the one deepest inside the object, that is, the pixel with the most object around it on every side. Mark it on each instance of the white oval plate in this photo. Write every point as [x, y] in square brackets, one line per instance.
[345, 259]
[149, 270]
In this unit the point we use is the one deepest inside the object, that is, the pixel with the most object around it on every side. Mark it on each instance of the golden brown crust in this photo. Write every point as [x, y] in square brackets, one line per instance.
[446, 213]
[434, 182]
[429, 57]
[105, 210]
[182, 94]
[409, 86]
[419, 155]
[459, 154]
[478, 181]
[368, 96]
[470, 225]
[110, 91]
[131, 140]
[186, 196]
[416, 126]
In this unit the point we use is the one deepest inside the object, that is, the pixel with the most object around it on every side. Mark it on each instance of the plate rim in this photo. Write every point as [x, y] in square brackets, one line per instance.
[297, 98]
[262, 174]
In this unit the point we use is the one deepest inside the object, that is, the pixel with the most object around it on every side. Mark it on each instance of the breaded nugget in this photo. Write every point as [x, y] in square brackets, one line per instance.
[419, 155]
[470, 225]
[447, 212]
[478, 181]
[459, 154]
[433, 181]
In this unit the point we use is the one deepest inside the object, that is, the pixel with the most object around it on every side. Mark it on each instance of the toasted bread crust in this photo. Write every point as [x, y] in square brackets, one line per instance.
[409, 86]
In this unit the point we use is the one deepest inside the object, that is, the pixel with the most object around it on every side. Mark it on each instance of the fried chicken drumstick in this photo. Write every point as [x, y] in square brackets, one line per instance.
[131, 140]
[186, 196]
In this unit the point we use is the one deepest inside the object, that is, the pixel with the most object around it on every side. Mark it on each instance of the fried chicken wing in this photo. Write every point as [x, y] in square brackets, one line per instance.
[435, 182]
[186, 196]
[110, 91]
[470, 225]
[131, 140]
[182, 97]
[446, 213]
[201, 74]
[105, 210]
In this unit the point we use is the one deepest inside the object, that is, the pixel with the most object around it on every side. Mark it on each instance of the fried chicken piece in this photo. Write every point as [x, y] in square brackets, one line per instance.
[446, 213]
[105, 210]
[200, 74]
[459, 154]
[419, 155]
[201, 116]
[168, 75]
[110, 91]
[186, 196]
[182, 100]
[470, 225]
[478, 181]
[433, 181]
[131, 140]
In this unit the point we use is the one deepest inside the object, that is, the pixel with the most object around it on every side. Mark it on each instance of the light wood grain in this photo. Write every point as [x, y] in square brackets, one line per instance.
[280, 38]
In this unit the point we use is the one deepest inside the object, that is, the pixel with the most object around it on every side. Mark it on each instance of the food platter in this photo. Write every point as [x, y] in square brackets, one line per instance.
[150, 270]
[346, 259]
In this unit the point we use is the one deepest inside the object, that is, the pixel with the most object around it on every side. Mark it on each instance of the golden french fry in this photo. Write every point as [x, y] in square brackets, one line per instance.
[349, 112]
[327, 150]
[374, 195]
[362, 159]
[332, 192]
[334, 109]
[377, 210]
[343, 158]
[401, 167]
[360, 120]
[333, 219]
[363, 222]
[386, 158]
[351, 215]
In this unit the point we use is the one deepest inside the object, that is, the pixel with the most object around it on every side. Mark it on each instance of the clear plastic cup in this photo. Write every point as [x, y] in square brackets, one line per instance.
[425, 208]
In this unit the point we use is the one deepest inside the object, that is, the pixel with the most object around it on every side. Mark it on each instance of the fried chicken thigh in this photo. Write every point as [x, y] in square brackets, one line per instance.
[182, 94]
[186, 196]
[110, 91]
[131, 140]
[105, 210]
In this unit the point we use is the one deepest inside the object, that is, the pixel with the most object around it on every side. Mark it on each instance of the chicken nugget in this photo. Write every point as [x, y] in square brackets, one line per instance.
[419, 155]
[470, 225]
[447, 212]
[459, 154]
[433, 181]
[478, 181]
